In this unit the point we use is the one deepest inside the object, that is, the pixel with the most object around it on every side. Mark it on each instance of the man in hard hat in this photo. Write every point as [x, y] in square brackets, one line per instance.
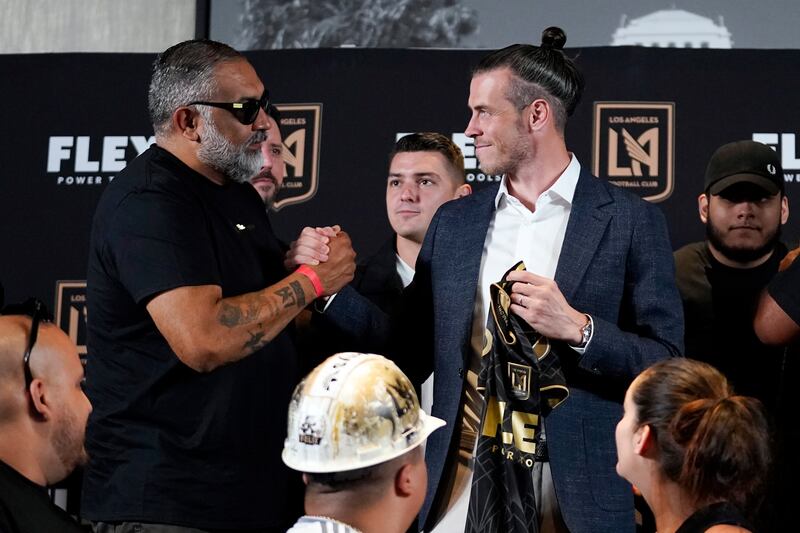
[355, 429]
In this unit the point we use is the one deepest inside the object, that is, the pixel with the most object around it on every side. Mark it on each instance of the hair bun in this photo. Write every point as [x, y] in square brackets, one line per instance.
[554, 37]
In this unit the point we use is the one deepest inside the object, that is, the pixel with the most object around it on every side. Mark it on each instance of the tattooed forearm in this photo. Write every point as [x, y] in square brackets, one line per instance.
[254, 319]
[256, 340]
[292, 295]
[286, 296]
[247, 312]
[229, 315]
[299, 294]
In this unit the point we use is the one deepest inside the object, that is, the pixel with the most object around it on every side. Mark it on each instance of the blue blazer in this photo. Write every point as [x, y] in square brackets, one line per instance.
[616, 264]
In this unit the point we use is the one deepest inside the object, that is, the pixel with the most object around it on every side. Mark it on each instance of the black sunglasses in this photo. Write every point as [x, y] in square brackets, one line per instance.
[246, 111]
[34, 308]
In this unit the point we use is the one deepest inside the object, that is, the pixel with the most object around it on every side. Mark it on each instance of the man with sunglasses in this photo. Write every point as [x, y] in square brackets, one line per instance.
[43, 413]
[191, 358]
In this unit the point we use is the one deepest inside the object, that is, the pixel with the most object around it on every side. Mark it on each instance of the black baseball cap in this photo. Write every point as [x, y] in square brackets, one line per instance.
[744, 161]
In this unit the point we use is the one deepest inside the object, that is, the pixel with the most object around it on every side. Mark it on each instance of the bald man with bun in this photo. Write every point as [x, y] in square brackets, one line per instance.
[42, 423]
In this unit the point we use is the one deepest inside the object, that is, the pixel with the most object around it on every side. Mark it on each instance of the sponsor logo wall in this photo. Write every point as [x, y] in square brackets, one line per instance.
[649, 120]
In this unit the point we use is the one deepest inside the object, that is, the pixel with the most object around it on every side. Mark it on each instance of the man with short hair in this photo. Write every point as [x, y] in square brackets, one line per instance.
[269, 179]
[43, 413]
[743, 206]
[356, 432]
[598, 283]
[189, 340]
[425, 171]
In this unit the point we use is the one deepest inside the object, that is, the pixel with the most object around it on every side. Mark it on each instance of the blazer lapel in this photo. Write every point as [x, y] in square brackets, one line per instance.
[585, 228]
[463, 254]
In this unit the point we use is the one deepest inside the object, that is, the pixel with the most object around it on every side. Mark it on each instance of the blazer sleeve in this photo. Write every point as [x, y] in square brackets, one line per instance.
[405, 336]
[362, 324]
[650, 323]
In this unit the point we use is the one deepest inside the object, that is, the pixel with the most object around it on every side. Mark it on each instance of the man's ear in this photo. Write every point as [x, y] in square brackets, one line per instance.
[538, 114]
[305, 478]
[643, 440]
[462, 191]
[404, 480]
[185, 121]
[40, 399]
[784, 209]
[702, 207]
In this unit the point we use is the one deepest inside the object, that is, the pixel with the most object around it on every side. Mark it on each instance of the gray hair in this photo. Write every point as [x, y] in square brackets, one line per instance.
[184, 73]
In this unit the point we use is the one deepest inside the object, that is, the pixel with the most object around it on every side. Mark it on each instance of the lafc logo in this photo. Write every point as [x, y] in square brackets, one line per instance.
[71, 311]
[301, 127]
[633, 146]
[520, 379]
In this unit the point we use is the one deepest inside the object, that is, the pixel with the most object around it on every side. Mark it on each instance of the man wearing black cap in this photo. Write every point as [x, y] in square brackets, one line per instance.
[743, 207]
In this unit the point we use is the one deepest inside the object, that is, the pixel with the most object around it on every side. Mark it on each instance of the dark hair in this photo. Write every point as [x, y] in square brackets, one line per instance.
[540, 72]
[368, 483]
[347, 480]
[432, 142]
[275, 113]
[184, 73]
[713, 444]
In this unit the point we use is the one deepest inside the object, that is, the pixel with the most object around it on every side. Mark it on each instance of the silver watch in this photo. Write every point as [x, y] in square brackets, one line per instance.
[586, 333]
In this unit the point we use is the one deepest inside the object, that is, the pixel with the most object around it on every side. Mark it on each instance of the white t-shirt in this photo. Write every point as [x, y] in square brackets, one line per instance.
[320, 524]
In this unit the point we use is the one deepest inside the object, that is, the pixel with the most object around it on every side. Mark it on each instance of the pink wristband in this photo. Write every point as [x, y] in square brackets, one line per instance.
[308, 272]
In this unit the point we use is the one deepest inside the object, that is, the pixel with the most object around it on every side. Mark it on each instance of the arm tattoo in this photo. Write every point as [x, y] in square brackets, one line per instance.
[292, 295]
[233, 315]
[299, 294]
[256, 340]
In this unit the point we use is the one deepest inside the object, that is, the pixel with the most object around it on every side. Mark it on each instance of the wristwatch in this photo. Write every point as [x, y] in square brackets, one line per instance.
[586, 332]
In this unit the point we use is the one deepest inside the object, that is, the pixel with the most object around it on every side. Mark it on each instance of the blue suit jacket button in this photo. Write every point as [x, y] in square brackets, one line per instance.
[461, 372]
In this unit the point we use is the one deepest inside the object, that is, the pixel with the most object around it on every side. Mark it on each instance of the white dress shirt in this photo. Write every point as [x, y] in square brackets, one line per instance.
[517, 234]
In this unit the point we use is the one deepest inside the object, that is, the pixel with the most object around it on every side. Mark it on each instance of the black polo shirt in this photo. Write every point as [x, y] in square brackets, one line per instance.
[169, 444]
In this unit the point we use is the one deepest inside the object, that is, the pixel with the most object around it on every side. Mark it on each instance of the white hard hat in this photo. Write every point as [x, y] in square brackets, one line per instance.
[353, 411]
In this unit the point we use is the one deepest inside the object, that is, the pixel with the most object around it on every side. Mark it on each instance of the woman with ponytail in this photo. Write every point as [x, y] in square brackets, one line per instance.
[698, 453]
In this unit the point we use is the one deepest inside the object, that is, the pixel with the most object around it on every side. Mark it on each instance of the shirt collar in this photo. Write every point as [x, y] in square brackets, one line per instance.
[563, 187]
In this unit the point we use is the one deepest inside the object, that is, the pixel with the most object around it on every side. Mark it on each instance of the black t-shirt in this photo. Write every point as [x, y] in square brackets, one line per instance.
[26, 508]
[719, 304]
[713, 515]
[168, 444]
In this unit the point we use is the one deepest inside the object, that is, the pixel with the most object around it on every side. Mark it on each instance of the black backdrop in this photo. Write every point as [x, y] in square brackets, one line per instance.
[68, 120]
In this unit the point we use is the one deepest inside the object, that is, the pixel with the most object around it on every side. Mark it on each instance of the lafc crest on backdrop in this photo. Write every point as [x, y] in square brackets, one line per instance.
[633, 146]
[301, 126]
[71, 311]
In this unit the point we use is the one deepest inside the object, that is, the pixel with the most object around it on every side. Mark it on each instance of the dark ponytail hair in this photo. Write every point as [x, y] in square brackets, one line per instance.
[713, 444]
[541, 72]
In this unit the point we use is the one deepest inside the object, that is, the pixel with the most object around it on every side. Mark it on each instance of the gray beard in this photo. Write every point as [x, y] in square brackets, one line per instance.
[235, 162]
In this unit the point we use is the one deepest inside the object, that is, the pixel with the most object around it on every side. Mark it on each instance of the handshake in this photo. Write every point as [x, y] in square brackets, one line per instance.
[329, 252]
